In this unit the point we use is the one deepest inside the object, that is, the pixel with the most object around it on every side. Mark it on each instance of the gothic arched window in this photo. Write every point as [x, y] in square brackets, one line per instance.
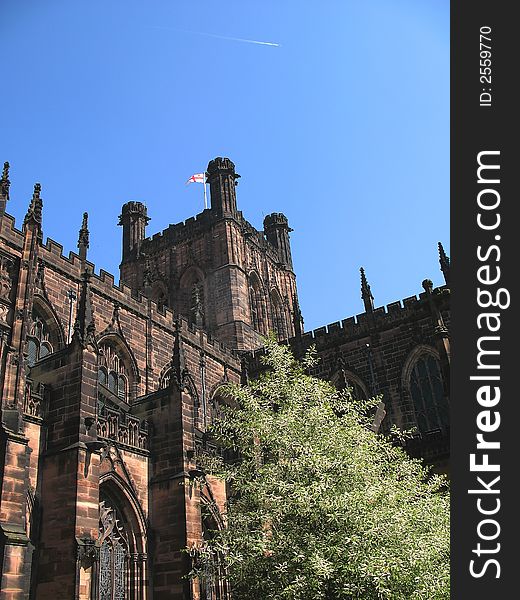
[426, 390]
[197, 304]
[345, 379]
[213, 583]
[256, 304]
[38, 340]
[121, 570]
[279, 321]
[113, 555]
[192, 297]
[112, 373]
[160, 297]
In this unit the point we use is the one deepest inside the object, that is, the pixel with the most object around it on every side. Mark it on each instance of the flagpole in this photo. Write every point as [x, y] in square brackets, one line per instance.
[204, 184]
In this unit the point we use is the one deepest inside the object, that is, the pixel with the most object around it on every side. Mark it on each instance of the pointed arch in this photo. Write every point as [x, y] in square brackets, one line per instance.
[118, 370]
[115, 486]
[279, 316]
[159, 294]
[45, 308]
[165, 379]
[122, 568]
[218, 398]
[423, 390]
[192, 295]
[213, 583]
[343, 378]
[45, 334]
[257, 303]
[165, 376]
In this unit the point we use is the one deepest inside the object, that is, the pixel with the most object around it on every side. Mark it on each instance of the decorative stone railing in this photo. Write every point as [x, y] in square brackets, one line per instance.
[33, 399]
[122, 427]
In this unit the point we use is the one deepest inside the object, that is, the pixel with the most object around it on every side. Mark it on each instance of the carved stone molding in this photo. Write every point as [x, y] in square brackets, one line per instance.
[6, 280]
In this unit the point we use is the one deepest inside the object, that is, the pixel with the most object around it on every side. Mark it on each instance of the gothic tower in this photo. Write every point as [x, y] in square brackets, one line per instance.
[216, 269]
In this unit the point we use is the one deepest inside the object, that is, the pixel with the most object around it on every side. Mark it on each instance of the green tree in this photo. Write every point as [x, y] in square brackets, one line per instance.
[321, 507]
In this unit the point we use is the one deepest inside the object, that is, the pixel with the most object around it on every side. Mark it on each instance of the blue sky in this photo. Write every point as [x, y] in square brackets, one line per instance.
[344, 127]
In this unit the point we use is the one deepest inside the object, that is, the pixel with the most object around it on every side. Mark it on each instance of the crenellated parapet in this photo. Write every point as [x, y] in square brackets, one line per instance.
[379, 319]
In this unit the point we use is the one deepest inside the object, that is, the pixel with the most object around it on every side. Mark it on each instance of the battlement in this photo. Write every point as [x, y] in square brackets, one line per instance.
[275, 220]
[179, 232]
[258, 237]
[200, 224]
[379, 319]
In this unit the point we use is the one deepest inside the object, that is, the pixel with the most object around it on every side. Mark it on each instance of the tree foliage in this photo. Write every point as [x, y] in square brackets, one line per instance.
[321, 507]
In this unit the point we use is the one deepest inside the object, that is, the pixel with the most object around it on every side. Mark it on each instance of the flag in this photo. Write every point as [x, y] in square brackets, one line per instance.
[197, 178]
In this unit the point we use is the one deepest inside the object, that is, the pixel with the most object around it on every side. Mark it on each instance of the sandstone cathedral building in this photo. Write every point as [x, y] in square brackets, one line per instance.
[108, 391]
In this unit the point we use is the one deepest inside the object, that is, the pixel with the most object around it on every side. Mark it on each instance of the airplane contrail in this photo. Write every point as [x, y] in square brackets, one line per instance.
[220, 37]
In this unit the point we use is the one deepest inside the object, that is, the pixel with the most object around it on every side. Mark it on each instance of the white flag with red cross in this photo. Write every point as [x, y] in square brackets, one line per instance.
[197, 178]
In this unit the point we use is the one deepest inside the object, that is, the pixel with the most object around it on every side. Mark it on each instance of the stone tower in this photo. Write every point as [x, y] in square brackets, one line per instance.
[216, 269]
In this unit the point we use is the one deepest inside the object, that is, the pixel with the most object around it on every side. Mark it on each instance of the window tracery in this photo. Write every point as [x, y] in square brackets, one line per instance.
[426, 390]
[192, 297]
[112, 373]
[160, 297]
[213, 583]
[197, 304]
[113, 555]
[38, 340]
[279, 322]
[256, 304]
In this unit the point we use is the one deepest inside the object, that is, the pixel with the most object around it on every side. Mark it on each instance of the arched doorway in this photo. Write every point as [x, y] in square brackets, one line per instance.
[213, 583]
[122, 572]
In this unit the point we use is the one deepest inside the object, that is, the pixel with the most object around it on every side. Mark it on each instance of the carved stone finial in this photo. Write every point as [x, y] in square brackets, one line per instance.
[366, 294]
[34, 212]
[444, 262]
[428, 288]
[83, 238]
[4, 182]
[84, 326]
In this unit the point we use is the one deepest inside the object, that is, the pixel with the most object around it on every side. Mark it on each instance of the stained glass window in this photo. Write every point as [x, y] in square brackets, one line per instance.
[38, 340]
[112, 556]
[279, 322]
[112, 372]
[256, 304]
[430, 404]
[213, 583]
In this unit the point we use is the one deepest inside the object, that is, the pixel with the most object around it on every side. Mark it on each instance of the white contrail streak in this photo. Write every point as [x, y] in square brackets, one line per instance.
[221, 37]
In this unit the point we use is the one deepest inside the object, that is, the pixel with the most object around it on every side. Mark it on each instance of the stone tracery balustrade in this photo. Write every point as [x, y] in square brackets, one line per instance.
[123, 428]
[33, 399]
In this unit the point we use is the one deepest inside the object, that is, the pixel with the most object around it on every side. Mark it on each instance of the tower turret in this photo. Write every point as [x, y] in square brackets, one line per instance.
[222, 181]
[276, 229]
[133, 219]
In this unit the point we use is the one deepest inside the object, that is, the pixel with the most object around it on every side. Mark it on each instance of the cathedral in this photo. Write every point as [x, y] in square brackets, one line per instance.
[108, 391]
